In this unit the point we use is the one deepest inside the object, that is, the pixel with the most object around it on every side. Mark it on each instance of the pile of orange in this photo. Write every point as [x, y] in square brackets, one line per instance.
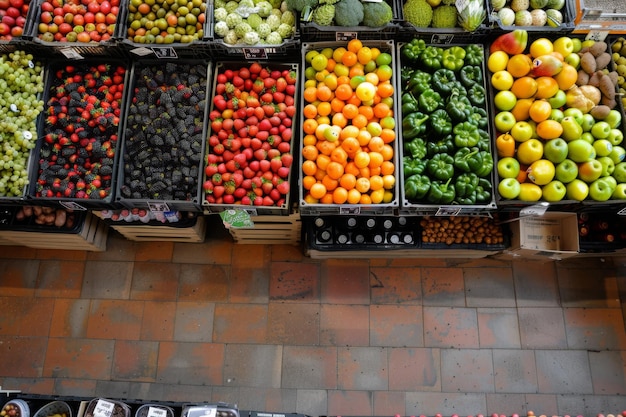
[349, 127]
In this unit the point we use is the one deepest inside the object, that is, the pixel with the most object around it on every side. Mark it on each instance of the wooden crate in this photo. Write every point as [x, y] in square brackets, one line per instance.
[92, 237]
[270, 230]
[152, 233]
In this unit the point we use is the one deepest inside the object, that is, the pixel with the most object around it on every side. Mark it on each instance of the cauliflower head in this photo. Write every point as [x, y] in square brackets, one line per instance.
[221, 29]
[288, 17]
[444, 17]
[285, 30]
[242, 28]
[349, 13]
[273, 21]
[254, 20]
[264, 30]
[220, 14]
[231, 37]
[274, 38]
[251, 38]
[324, 14]
[231, 6]
[376, 14]
[418, 13]
[233, 19]
[265, 8]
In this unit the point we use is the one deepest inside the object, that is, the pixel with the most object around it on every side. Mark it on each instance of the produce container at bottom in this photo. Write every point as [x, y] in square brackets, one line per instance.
[249, 155]
[348, 159]
[100, 407]
[164, 136]
[54, 408]
[446, 150]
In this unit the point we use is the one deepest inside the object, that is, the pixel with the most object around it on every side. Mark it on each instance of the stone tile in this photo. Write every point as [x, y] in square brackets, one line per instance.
[42, 385]
[535, 284]
[228, 395]
[608, 372]
[579, 288]
[344, 325]
[362, 368]
[443, 287]
[112, 389]
[23, 357]
[309, 367]
[69, 318]
[212, 251]
[60, 279]
[19, 252]
[297, 282]
[26, 316]
[113, 319]
[287, 253]
[271, 399]
[349, 403]
[182, 393]
[250, 274]
[190, 363]
[396, 325]
[199, 282]
[253, 365]
[389, 403]
[595, 328]
[158, 320]
[589, 404]
[111, 280]
[135, 360]
[345, 281]
[542, 404]
[563, 372]
[489, 287]
[514, 371]
[414, 369]
[19, 277]
[450, 327]
[395, 285]
[293, 324]
[240, 323]
[79, 358]
[498, 328]
[59, 254]
[155, 281]
[312, 402]
[160, 251]
[506, 404]
[445, 403]
[194, 322]
[542, 328]
[75, 387]
[118, 249]
[467, 370]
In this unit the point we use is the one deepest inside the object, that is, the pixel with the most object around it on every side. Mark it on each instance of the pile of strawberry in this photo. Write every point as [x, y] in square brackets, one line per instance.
[76, 158]
[249, 150]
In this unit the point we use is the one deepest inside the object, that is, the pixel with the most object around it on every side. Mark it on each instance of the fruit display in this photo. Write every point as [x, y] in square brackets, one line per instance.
[542, 14]
[164, 134]
[618, 53]
[21, 103]
[13, 14]
[462, 230]
[445, 14]
[445, 133]
[79, 139]
[11, 409]
[248, 22]
[249, 153]
[165, 21]
[82, 21]
[559, 132]
[45, 216]
[349, 146]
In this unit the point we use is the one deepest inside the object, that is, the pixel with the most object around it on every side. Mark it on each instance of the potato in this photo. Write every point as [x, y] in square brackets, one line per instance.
[588, 63]
[600, 112]
[595, 79]
[603, 61]
[583, 78]
[60, 217]
[606, 86]
[598, 48]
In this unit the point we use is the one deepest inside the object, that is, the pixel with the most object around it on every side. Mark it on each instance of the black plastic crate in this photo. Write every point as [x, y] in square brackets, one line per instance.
[25, 219]
[443, 35]
[461, 232]
[601, 232]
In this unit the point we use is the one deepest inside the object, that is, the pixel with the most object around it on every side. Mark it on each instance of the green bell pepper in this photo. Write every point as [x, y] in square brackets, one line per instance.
[483, 191]
[405, 75]
[441, 122]
[453, 58]
[416, 148]
[409, 104]
[430, 100]
[431, 57]
[465, 185]
[484, 144]
[411, 51]
[470, 75]
[413, 125]
[456, 87]
[478, 117]
[441, 166]
[441, 192]
[442, 81]
[474, 54]
[412, 166]
[416, 187]
[419, 82]
[476, 95]
[466, 135]
[467, 159]
[486, 164]
[443, 145]
[459, 107]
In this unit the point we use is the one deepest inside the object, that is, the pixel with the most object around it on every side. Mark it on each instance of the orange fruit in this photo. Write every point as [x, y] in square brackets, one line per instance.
[340, 120]
[322, 161]
[309, 167]
[347, 181]
[388, 135]
[324, 93]
[329, 182]
[546, 87]
[310, 111]
[354, 196]
[309, 126]
[334, 170]
[519, 65]
[362, 185]
[524, 87]
[348, 132]
[337, 104]
[381, 110]
[376, 160]
[389, 181]
[361, 159]
[364, 55]
[540, 110]
[549, 129]
[308, 181]
[384, 89]
[567, 77]
[376, 144]
[349, 58]
[343, 92]
[310, 152]
[340, 195]
[354, 45]
[521, 108]
[310, 94]
[324, 108]
[387, 152]
[317, 190]
[350, 111]
[376, 182]
[359, 121]
[327, 199]
[350, 145]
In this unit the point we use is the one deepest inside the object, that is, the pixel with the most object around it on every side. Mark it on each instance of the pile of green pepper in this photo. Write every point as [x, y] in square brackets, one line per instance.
[446, 145]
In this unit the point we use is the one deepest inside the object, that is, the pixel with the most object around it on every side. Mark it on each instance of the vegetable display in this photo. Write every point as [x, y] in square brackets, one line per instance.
[446, 144]
[444, 14]
[344, 13]
[528, 12]
[461, 230]
[249, 153]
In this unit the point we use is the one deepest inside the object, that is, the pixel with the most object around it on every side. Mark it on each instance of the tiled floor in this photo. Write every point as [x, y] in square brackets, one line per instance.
[272, 330]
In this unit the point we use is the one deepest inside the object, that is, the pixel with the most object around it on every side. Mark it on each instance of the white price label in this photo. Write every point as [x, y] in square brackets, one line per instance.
[158, 207]
[448, 211]
[622, 212]
[71, 53]
[31, 64]
[156, 412]
[165, 52]
[70, 205]
[103, 409]
[27, 135]
[534, 210]
[14, 108]
[597, 35]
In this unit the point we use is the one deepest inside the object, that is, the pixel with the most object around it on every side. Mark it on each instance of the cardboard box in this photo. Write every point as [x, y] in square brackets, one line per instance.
[553, 235]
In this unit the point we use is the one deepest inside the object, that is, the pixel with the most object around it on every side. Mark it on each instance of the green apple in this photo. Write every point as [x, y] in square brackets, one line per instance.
[566, 171]
[521, 131]
[612, 182]
[578, 45]
[529, 192]
[530, 151]
[563, 45]
[555, 150]
[603, 147]
[619, 173]
[504, 121]
[580, 151]
[572, 129]
[617, 154]
[616, 137]
[601, 130]
[558, 100]
[577, 190]
[502, 80]
[509, 188]
[573, 59]
[553, 191]
[588, 137]
[588, 122]
[557, 115]
[504, 100]
[608, 166]
[541, 172]
[614, 119]
[577, 114]
[620, 192]
[600, 190]
[508, 167]
[590, 171]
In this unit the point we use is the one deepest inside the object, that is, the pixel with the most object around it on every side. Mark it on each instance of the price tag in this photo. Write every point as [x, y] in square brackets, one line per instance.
[156, 412]
[534, 210]
[14, 108]
[158, 207]
[442, 38]
[345, 36]
[143, 51]
[448, 211]
[70, 53]
[31, 64]
[203, 412]
[349, 210]
[164, 52]
[597, 35]
[27, 135]
[254, 53]
[70, 205]
[622, 212]
[103, 409]
[236, 219]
